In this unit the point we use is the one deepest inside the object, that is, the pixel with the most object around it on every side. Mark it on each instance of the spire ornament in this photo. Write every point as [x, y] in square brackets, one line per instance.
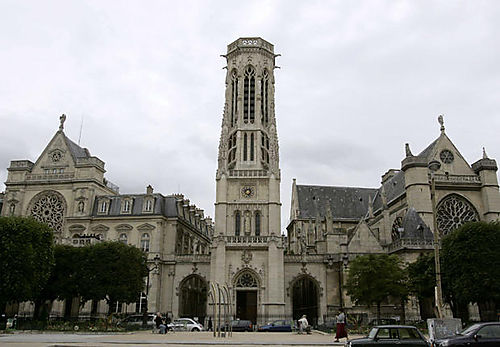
[62, 119]
[441, 122]
[485, 156]
[408, 150]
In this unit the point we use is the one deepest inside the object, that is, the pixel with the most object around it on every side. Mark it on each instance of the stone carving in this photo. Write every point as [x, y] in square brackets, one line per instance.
[246, 222]
[62, 119]
[49, 207]
[246, 280]
[454, 211]
[408, 150]
[246, 256]
[441, 122]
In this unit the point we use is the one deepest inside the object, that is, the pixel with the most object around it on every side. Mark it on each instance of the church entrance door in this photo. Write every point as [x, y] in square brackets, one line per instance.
[305, 299]
[246, 305]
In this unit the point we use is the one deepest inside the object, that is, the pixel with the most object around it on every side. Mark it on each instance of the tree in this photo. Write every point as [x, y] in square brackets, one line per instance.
[113, 272]
[374, 278]
[471, 265]
[421, 283]
[26, 257]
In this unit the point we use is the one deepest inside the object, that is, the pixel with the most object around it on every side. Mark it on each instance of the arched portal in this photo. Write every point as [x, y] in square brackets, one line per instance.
[193, 298]
[246, 286]
[305, 299]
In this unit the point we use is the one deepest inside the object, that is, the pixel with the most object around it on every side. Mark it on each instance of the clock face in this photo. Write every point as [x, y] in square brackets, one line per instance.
[446, 156]
[247, 192]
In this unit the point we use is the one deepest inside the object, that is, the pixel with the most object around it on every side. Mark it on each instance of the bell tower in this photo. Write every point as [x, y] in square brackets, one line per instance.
[247, 239]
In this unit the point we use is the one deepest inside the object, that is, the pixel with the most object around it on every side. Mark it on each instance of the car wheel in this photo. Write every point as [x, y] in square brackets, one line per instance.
[195, 329]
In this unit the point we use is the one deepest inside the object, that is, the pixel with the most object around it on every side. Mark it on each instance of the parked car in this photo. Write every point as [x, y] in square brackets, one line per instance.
[185, 324]
[480, 334]
[277, 325]
[136, 320]
[241, 325]
[391, 335]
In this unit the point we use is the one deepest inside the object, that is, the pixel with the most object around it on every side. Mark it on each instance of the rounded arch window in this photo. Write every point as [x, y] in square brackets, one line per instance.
[49, 208]
[453, 212]
[246, 280]
[397, 228]
[123, 238]
[145, 242]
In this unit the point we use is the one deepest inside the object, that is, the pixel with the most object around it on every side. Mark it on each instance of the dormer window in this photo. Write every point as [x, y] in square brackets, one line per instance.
[103, 206]
[126, 205]
[148, 205]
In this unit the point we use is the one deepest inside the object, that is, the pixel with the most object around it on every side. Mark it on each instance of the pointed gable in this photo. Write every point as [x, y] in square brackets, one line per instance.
[57, 155]
[363, 240]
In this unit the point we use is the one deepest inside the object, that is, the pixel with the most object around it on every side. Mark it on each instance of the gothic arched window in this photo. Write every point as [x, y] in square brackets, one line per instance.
[252, 143]
[249, 95]
[257, 223]
[264, 105]
[454, 211]
[48, 208]
[234, 97]
[237, 223]
[397, 228]
[246, 280]
[245, 147]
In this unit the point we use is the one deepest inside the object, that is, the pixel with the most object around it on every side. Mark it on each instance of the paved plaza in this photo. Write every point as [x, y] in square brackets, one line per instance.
[36, 339]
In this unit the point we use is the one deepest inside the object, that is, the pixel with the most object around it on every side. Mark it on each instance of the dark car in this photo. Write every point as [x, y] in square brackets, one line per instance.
[480, 334]
[391, 335]
[241, 325]
[277, 325]
[137, 321]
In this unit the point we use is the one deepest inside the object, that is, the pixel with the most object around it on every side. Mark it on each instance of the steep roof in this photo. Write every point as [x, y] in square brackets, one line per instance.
[414, 227]
[76, 151]
[344, 202]
[393, 188]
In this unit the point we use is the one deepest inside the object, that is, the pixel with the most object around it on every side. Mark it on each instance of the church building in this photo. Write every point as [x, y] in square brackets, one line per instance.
[270, 273]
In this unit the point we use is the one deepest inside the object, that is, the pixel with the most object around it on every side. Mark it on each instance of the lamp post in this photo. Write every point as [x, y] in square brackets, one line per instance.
[433, 167]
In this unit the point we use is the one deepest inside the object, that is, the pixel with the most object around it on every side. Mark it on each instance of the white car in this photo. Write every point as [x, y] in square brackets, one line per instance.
[185, 324]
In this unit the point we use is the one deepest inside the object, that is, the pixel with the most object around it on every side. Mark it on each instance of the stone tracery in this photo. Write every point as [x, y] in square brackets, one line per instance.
[49, 207]
[454, 211]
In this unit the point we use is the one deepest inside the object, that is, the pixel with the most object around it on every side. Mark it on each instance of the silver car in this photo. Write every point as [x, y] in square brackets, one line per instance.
[185, 324]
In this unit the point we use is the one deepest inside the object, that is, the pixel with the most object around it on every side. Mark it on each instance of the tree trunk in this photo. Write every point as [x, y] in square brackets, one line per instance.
[487, 311]
[403, 311]
[378, 312]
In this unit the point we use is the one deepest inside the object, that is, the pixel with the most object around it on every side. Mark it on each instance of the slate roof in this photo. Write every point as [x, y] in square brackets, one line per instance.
[426, 153]
[393, 187]
[344, 202]
[414, 227]
[76, 151]
[163, 205]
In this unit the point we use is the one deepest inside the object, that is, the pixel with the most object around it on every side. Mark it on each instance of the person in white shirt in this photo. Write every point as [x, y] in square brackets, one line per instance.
[304, 325]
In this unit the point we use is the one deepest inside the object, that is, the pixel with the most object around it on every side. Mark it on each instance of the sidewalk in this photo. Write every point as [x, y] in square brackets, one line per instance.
[146, 338]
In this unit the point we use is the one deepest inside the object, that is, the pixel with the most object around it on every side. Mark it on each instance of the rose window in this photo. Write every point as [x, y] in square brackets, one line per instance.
[246, 280]
[49, 209]
[454, 211]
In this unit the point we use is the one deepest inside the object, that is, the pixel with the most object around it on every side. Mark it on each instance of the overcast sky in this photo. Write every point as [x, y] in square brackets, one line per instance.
[358, 80]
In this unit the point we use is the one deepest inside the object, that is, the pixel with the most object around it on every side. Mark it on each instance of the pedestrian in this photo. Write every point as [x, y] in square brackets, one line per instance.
[341, 329]
[158, 320]
[209, 325]
[304, 325]
[163, 326]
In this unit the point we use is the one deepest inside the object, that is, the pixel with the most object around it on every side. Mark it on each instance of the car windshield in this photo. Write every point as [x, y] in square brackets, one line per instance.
[372, 333]
[469, 329]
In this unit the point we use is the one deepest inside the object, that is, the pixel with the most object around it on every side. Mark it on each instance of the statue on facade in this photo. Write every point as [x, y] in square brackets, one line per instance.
[62, 119]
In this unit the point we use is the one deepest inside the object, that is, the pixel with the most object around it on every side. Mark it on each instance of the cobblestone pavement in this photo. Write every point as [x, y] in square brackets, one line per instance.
[36, 339]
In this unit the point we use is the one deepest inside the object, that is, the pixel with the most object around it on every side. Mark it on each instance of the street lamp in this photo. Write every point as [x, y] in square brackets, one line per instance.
[433, 166]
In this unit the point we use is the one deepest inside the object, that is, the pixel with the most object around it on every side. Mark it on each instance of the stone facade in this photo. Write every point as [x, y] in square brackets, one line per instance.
[269, 275]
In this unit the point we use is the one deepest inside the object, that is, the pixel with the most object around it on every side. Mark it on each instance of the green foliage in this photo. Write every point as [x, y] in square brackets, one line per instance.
[26, 257]
[113, 271]
[422, 277]
[375, 277]
[471, 262]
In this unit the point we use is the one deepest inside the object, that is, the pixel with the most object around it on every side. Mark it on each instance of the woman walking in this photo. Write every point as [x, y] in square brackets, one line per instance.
[341, 329]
